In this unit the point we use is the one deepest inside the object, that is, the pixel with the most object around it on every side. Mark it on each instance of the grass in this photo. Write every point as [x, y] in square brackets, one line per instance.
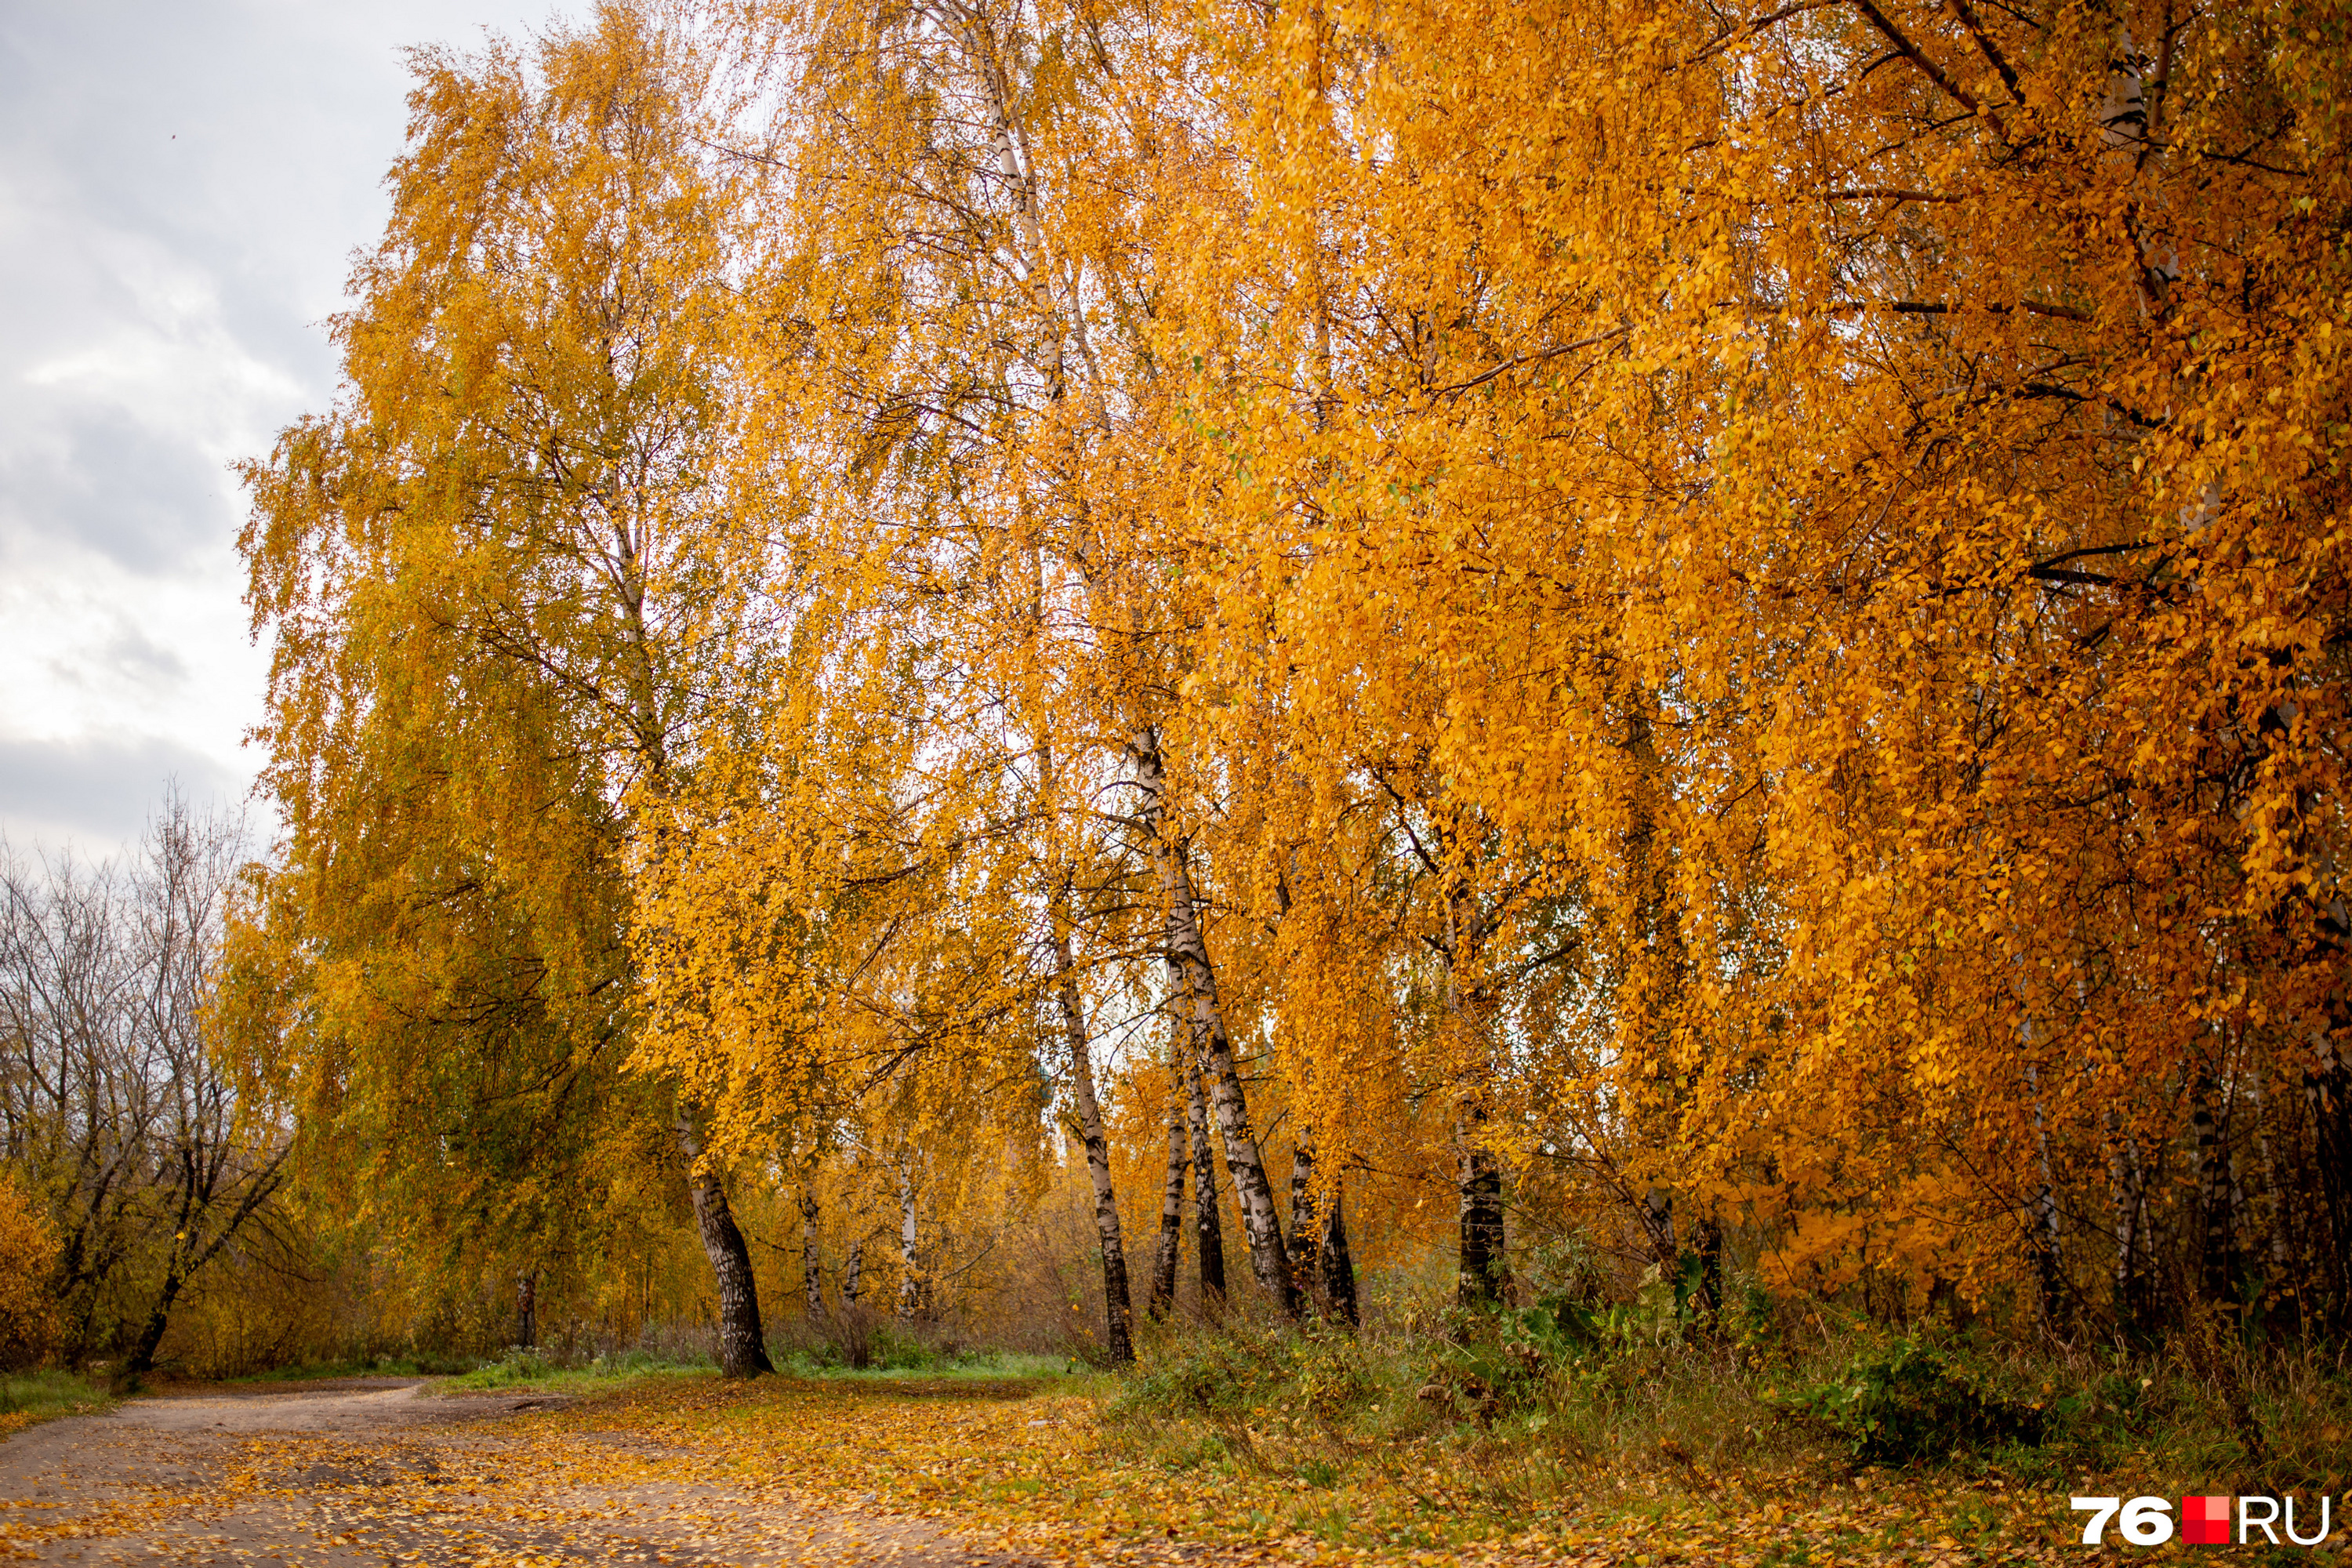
[1424, 1433]
[531, 1372]
[378, 1366]
[1044, 1474]
[28, 1398]
[971, 1365]
[1626, 1435]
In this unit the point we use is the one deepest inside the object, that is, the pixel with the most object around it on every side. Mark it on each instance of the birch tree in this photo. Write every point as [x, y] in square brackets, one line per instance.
[479, 582]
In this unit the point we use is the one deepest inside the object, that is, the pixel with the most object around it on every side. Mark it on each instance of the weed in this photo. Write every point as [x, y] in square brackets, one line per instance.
[1905, 1401]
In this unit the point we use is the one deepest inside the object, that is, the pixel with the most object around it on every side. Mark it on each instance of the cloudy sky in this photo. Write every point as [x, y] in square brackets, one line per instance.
[182, 185]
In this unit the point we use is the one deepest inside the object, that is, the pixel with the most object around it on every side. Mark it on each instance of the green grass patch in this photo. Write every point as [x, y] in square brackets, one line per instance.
[534, 1372]
[378, 1366]
[915, 1362]
[529, 1372]
[29, 1397]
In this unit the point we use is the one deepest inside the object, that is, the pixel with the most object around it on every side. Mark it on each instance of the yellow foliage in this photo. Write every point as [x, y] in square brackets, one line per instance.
[1722, 626]
[28, 1251]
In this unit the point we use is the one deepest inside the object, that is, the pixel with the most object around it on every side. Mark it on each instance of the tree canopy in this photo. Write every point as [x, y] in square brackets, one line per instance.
[1715, 629]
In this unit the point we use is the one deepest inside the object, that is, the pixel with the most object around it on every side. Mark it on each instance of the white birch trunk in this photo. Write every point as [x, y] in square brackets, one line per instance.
[1119, 1326]
[1188, 951]
[910, 1280]
[812, 1276]
[1172, 1221]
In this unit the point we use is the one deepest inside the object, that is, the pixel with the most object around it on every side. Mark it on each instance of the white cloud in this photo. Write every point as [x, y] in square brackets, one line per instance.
[166, 354]
[93, 795]
[181, 186]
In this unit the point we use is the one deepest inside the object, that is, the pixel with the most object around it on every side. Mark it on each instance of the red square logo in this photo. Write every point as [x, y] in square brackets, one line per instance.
[2205, 1521]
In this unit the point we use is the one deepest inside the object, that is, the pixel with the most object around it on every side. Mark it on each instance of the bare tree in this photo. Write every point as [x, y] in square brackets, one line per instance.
[118, 1102]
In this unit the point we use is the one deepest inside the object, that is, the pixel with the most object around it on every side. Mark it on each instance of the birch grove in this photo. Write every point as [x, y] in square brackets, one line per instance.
[1715, 630]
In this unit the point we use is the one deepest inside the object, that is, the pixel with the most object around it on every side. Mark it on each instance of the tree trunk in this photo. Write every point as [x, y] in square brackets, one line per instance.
[2278, 1256]
[1118, 1314]
[1188, 949]
[743, 1348]
[142, 1354]
[1482, 1277]
[2327, 1095]
[527, 1308]
[2218, 1256]
[812, 1275]
[1706, 1236]
[1338, 1268]
[1485, 1271]
[2123, 1204]
[910, 1280]
[1658, 1223]
[1305, 1227]
[1172, 1221]
[1205, 1220]
[2046, 1260]
[853, 1277]
[189, 1255]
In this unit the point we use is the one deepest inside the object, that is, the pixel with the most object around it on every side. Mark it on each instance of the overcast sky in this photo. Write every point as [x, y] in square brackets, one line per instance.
[182, 185]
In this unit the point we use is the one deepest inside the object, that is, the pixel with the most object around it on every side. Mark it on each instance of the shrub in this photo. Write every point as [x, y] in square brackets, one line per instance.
[28, 1320]
[1204, 1374]
[1903, 1401]
[856, 1339]
[1332, 1375]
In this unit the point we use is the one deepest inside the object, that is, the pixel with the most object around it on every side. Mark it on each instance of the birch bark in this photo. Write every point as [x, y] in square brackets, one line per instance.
[1172, 1221]
[910, 1280]
[1188, 951]
[1483, 1272]
[742, 1347]
[1305, 1225]
[1206, 1220]
[1339, 1266]
[812, 1276]
[1119, 1327]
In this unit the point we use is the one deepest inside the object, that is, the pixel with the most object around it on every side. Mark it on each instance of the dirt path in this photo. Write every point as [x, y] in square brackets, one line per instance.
[378, 1470]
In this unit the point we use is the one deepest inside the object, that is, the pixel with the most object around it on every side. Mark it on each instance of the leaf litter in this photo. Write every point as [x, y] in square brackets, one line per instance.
[785, 1472]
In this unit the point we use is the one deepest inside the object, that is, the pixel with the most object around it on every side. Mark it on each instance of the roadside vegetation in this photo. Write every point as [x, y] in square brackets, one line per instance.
[1501, 1438]
[888, 1357]
[1630, 1432]
[418, 1365]
[535, 1372]
[29, 1397]
[977, 1366]
[1531, 1411]
[1775, 1431]
[1640, 1430]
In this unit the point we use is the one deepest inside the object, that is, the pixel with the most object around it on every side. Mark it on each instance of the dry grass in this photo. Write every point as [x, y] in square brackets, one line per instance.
[1679, 1424]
